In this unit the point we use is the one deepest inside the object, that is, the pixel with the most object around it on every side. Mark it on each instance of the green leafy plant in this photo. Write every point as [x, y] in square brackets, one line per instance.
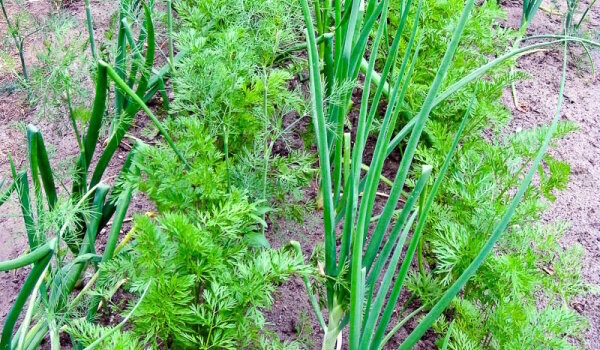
[205, 254]
[230, 52]
[521, 268]
[203, 257]
[231, 81]
[75, 221]
[62, 65]
[482, 38]
[354, 294]
[530, 8]
[527, 265]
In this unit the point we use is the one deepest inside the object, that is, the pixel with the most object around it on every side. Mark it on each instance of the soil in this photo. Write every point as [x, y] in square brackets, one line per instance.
[291, 316]
[579, 203]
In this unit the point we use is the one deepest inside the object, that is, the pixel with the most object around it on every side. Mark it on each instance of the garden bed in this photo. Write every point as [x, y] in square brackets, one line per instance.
[291, 317]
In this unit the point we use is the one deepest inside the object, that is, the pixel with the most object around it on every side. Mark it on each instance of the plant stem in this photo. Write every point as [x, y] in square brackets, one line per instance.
[311, 296]
[170, 34]
[72, 115]
[420, 246]
[226, 151]
[18, 43]
[266, 149]
[29, 258]
[585, 14]
[122, 85]
[331, 334]
[516, 44]
[11, 318]
[399, 325]
[90, 26]
[28, 315]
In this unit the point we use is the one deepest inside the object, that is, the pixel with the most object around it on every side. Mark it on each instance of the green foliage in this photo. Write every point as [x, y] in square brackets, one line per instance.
[227, 88]
[208, 179]
[478, 190]
[499, 307]
[73, 219]
[62, 64]
[20, 26]
[203, 184]
[209, 278]
[86, 333]
[287, 177]
[483, 37]
[489, 183]
[208, 287]
[229, 46]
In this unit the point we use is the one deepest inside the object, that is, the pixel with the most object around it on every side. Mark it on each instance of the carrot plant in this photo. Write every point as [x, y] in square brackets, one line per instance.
[231, 51]
[361, 278]
[204, 258]
[232, 81]
[211, 274]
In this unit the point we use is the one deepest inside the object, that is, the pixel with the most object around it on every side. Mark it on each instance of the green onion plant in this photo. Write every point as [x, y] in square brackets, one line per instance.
[572, 25]
[530, 8]
[90, 27]
[90, 205]
[365, 268]
[88, 213]
[127, 45]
